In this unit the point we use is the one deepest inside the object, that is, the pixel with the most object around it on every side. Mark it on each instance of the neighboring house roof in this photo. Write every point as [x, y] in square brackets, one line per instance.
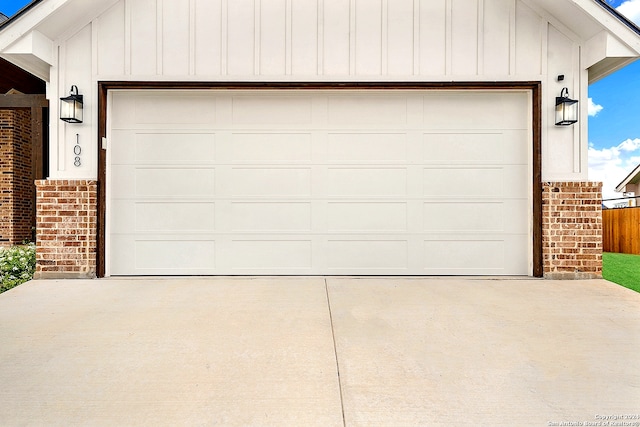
[610, 41]
[632, 178]
[3, 17]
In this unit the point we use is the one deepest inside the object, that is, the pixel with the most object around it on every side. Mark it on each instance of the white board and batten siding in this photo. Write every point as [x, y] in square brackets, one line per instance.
[320, 40]
[319, 182]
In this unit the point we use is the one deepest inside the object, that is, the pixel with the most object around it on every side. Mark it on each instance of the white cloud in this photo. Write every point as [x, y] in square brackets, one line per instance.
[629, 145]
[593, 108]
[630, 9]
[612, 165]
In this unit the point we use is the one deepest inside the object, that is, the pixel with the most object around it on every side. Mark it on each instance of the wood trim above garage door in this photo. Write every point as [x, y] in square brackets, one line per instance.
[534, 87]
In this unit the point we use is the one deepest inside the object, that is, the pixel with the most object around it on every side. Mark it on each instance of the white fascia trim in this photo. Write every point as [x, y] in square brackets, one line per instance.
[610, 23]
[26, 23]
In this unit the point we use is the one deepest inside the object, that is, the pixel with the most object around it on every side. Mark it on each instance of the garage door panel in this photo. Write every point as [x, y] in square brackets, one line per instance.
[165, 217]
[373, 111]
[271, 217]
[367, 182]
[130, 182]
[464, 182]
[367, 147]
[515, 187]
[183, 109]
[271, 147]
[175, 254]
[496, 147]
[504, 216]
[464, 110]
[158, 256]
[465, 216]
[270, 111]
[368, 255]
[121, 222]
[122, 178]
[272, 255]
[271, 182]
[516, 147]
[172, 148]
[124, 116]
[468, 182]
[464, 254]
[464, 148]
[176, 217]
[479, 255]
[367, 217]
[174, 182]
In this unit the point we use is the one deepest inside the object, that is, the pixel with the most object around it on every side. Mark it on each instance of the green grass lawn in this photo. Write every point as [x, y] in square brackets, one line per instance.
[622, 269]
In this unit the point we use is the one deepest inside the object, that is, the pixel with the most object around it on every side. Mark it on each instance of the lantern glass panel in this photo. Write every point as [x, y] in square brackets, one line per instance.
[71, 109]
[566, 111]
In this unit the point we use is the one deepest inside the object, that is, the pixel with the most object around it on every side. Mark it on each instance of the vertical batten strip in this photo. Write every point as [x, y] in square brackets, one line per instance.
[224, 38]
[288, 50]
[583, 113]
[544, 46]
[352, 37]
[62, 84]
[127, 37]
[384, 38]
[448, 37]
[512, 38]
[544, 116]
[480, 39]
[320, 38]
[257, 33]
[416, 37]
[192, 37]
[159, 38]
[94, 47]
[577, 89]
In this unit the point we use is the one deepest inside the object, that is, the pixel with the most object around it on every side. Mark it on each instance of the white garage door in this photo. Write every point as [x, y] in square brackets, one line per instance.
[319, 182]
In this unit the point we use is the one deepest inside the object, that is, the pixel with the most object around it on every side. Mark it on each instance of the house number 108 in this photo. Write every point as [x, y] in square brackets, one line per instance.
[77, 150]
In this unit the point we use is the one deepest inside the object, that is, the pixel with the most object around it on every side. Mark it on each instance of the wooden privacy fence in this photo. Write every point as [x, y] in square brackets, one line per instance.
[621, 230]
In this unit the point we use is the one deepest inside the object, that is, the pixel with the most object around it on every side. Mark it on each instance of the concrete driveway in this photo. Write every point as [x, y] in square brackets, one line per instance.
[319, 352]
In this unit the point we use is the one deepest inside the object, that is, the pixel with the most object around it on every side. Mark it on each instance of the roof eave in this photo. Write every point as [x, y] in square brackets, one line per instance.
[615, 47]
[19, 13]
[626, 21]
[634, 173]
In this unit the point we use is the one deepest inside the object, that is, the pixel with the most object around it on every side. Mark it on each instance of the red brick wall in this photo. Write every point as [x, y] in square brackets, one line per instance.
[66, 229]
[572, 230]
[16, 185]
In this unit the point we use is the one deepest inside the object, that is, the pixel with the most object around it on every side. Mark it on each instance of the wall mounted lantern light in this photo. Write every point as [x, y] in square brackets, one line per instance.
[71, 107]
[566, 109]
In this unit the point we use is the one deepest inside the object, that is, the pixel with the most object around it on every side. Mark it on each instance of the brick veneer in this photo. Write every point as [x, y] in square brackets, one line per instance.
[16, 184]
[66, 228]
[572, 230]
[67, 217]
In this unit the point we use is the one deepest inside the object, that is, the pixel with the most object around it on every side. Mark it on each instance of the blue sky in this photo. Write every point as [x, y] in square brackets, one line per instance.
[10, 7]
[614, 122]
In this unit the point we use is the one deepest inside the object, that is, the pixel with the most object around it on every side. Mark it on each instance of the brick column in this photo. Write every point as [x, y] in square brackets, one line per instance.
[16, 183]
[66, 229]
[572, 230]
